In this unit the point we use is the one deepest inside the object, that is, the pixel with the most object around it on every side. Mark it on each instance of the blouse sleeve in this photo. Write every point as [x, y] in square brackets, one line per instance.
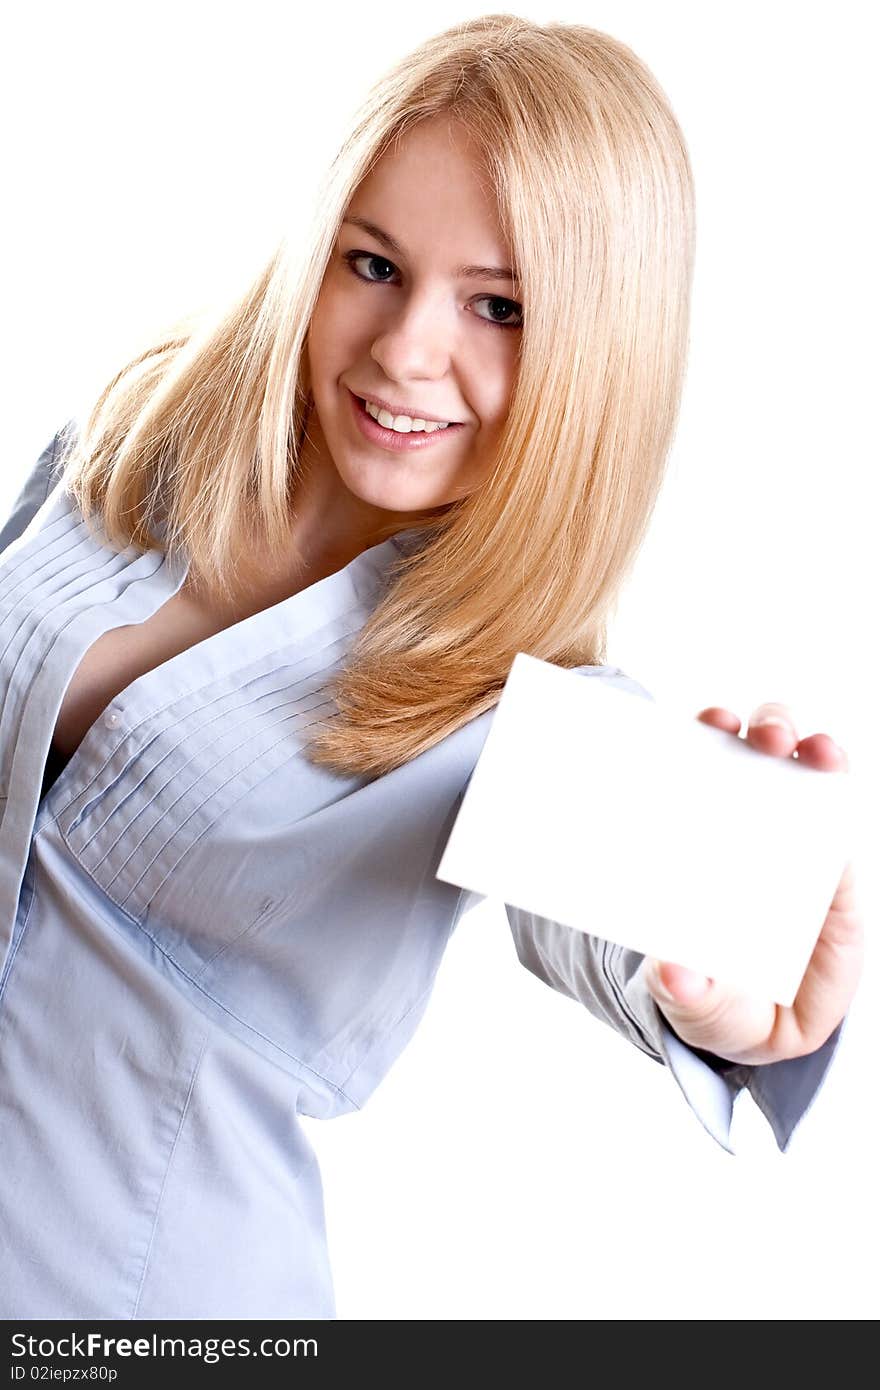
[36, 487]
[609, 980]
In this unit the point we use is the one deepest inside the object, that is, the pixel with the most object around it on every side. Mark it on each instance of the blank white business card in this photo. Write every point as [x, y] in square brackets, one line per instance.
[599, 809]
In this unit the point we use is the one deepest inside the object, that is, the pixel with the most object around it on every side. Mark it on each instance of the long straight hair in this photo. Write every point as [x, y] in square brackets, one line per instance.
[201, 435]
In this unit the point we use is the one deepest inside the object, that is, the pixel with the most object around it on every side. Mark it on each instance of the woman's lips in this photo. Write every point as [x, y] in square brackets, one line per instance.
[390, 439]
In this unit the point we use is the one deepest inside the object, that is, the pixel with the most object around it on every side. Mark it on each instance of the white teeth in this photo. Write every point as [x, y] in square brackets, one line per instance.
[403, 424]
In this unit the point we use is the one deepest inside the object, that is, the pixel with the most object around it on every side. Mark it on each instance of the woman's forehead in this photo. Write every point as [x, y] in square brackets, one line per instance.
[428, 192]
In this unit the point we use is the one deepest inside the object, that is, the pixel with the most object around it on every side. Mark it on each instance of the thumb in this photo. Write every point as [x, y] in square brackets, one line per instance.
[678, 990]
[707, 1014]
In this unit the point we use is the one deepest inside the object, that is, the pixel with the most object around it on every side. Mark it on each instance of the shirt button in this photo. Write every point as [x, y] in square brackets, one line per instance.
[111, 719]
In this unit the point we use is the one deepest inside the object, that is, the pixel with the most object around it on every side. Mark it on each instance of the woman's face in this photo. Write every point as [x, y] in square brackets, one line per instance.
[415, 311]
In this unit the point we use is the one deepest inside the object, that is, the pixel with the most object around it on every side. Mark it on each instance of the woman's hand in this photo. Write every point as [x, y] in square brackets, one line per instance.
[707, 1015]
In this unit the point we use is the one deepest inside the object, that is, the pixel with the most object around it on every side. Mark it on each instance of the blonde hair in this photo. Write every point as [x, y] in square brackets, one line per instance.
[203, 431]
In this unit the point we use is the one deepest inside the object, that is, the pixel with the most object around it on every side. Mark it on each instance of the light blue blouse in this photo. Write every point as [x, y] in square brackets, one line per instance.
[203, 936]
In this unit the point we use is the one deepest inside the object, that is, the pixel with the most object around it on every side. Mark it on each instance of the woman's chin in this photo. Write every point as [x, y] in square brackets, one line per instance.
[375, 488]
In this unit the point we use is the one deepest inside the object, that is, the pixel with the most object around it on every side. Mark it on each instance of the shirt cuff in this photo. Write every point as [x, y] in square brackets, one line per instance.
[783, 1091]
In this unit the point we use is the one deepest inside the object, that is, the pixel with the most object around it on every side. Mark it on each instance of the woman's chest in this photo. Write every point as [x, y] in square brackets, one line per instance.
[119, 656]
[125, 652]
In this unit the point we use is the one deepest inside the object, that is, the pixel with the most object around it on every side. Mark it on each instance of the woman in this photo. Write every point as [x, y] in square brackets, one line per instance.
[256, 616]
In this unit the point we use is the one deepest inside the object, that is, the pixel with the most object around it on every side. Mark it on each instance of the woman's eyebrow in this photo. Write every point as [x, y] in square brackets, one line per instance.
[464, 272]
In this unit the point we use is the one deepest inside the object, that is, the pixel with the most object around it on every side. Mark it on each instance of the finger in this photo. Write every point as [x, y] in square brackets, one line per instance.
[771, 729]
[720, 718]
[821, 752]
[844, 900]
[832, 975]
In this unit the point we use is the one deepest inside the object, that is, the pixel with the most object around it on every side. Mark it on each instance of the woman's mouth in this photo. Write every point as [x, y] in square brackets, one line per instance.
[395, 440]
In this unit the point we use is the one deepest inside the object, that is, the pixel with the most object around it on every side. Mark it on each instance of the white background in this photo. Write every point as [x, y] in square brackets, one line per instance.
[521, 1160]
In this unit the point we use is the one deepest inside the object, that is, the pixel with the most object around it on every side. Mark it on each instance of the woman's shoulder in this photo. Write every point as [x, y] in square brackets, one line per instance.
[38, 483]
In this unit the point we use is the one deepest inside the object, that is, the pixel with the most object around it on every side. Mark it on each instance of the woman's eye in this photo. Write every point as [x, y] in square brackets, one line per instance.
[505, 307]
[351, 256]
[502, 309]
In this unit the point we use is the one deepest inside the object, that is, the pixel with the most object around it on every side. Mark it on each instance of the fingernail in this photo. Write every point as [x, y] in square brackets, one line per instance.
[658, 987]
[689, 984]
[776, 719]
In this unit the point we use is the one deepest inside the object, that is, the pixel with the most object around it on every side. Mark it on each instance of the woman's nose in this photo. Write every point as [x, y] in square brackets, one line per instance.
[417, 340]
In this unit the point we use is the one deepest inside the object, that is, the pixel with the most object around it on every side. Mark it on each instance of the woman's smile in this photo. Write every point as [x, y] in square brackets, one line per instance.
[397, 440]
